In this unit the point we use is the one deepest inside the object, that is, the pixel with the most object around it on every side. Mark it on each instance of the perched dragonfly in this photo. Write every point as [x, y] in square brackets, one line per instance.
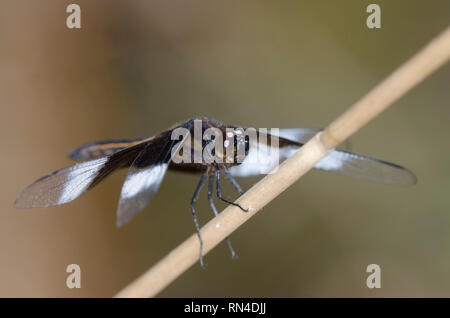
[148, 159]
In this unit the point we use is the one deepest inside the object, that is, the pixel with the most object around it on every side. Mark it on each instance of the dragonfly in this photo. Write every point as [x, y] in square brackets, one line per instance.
[148, 159]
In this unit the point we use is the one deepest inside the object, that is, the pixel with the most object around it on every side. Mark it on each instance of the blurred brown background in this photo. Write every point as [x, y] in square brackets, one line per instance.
[137, 67]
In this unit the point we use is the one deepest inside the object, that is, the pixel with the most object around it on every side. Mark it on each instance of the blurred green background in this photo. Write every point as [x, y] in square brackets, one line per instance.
[137, 67]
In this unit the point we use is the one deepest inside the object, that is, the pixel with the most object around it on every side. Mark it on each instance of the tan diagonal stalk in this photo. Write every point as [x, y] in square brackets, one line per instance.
[434, 55]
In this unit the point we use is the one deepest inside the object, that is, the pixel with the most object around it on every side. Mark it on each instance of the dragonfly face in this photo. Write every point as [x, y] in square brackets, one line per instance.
[202, 146]
[210, 144]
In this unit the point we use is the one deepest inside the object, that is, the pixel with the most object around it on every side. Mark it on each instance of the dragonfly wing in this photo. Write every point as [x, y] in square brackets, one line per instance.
[256, 162]
[67, 184]
[144, 177]
[105, 148]
[362, 167]
[61, 186]
[138, 189]
[301, 135]
[261, 161]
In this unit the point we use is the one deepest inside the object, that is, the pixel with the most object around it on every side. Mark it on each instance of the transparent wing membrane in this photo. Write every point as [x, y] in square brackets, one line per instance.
[362, 167]
[61, 186]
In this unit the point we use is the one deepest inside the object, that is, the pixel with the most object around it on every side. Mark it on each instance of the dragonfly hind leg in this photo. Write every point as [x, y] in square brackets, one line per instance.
[194, 214]
[219, 191]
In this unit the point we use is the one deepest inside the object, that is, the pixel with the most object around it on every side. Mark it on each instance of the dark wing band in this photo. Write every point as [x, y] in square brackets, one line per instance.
[262, 160]
[144, 177]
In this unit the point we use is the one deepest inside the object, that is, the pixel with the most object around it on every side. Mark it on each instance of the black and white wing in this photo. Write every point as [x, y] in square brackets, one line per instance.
[67, 184]
[144, 177]
[148, 162]
[261, 160]
[61, 186]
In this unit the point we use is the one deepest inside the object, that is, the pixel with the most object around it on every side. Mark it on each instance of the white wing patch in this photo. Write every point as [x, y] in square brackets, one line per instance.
[334, 161]
[261, 159]
[141, 180]
[139, 187]
[142, 183]
[79, 179]
[61, 186]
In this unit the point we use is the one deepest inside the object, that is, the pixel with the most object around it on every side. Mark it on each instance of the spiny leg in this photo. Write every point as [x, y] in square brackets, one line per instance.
[232, 180]
[194, 214]
[219, 193]
[213, 207]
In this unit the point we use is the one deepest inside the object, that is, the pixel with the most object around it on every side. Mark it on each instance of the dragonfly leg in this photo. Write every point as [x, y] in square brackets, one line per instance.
[213, 207]
[194, 214]
[232, 180]
[219, 193]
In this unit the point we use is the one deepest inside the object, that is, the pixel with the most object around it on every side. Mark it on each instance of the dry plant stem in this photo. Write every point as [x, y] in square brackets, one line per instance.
[434, 55]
